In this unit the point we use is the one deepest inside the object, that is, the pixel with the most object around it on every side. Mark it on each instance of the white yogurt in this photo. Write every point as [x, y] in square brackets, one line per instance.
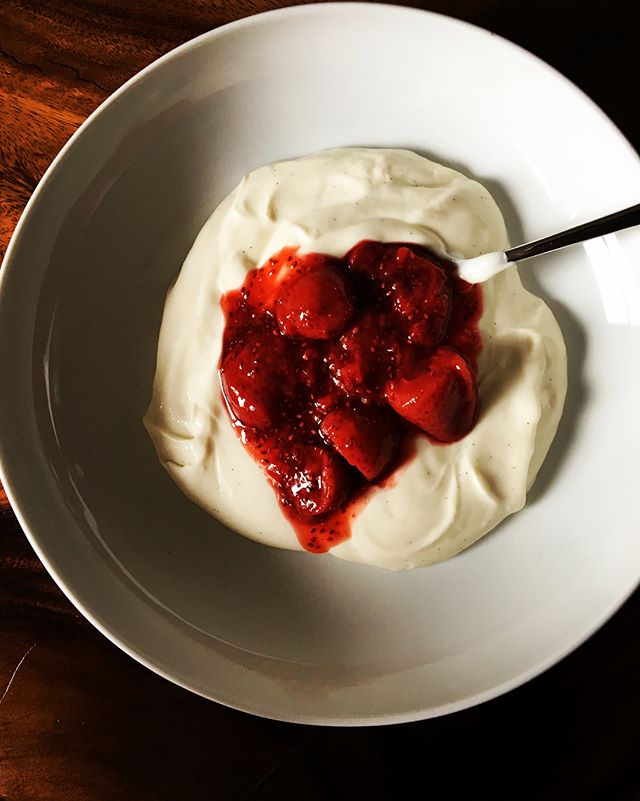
[447, 496]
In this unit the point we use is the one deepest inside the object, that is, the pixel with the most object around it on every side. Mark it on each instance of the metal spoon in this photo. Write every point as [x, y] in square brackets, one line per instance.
[481, 268]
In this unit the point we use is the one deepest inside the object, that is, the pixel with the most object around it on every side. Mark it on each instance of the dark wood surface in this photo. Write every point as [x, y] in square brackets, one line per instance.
[79, 719]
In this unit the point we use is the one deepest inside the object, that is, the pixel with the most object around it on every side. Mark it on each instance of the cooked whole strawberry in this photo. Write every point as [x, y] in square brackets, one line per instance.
[316, 305]
[437, 394]
[367, 257]
[420, 293]
[366, 438]
[317, 481]
[364, 358]
[255, 379]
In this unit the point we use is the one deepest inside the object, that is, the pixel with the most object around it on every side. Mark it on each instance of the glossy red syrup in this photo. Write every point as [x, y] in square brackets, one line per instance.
[331, 368]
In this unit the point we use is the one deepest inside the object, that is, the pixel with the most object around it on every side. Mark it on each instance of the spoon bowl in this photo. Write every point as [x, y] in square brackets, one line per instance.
[482, 268]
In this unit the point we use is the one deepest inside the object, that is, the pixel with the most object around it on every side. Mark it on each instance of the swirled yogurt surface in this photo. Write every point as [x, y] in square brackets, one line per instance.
[446, 497]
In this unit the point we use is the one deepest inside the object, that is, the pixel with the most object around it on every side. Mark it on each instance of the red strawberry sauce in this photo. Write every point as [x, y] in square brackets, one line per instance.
[331, 368]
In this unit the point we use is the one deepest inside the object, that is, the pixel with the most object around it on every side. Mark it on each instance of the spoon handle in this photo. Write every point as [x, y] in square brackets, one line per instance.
[604, 225]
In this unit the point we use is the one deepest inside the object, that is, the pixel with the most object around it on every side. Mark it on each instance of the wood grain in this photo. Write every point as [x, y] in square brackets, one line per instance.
[79, 719]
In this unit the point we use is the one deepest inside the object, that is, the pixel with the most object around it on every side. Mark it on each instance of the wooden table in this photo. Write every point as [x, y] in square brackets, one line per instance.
[78, 718]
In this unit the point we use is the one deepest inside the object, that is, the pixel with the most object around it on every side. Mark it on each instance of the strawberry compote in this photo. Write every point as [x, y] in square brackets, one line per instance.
[331, 368]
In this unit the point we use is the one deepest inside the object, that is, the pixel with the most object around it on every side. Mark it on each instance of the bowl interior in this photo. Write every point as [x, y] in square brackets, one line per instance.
[283, 634]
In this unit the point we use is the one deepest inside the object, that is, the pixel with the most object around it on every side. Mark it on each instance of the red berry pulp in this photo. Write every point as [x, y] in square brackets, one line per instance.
[331, 368]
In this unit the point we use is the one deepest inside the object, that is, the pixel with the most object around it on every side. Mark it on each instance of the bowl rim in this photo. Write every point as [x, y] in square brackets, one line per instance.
[18, 496]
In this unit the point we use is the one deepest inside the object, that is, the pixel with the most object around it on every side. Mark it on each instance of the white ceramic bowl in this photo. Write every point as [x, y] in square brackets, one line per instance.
[290, 635]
